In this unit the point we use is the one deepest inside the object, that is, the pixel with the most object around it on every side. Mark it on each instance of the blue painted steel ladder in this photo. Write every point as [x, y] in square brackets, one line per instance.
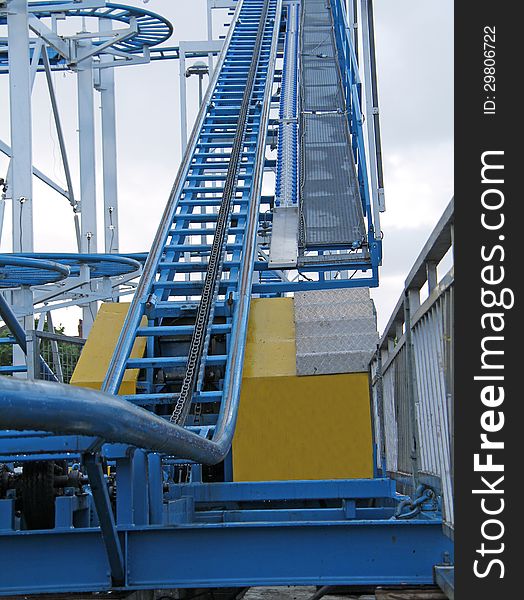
[197, 280]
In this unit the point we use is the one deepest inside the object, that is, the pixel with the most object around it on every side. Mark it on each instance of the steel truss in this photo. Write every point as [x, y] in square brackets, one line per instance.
[133, 511]
[223, 535]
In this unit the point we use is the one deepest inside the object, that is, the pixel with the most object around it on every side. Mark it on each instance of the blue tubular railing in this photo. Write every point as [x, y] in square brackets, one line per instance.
[353, 93]
[54, 407]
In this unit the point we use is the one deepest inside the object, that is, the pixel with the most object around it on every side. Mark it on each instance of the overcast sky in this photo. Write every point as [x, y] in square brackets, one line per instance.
[415, 68]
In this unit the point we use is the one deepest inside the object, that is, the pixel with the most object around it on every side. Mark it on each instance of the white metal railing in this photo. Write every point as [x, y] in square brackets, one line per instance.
[412, 377]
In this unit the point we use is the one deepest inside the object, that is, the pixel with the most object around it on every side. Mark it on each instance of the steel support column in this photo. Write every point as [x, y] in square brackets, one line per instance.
[86, 139]
[372, 123]
[22, 305]
[104, 511]
[209, 14]
[21, 131]
[109, 150]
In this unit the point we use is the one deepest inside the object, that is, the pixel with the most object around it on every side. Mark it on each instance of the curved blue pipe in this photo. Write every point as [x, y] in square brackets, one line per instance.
[64, 409]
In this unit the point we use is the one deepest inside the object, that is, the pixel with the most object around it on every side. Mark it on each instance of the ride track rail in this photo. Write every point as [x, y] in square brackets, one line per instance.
[205, 311]
[222, 168]
[152, 29]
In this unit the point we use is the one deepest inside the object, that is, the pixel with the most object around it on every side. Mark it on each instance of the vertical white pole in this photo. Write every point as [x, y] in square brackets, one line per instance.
[21, 135]
[350, 10]
[109, 150]
[210, 37]
[86, 136]
[37, 53]
[3, 196]
[22, 304]
[89, 309]
[365, 65]
[183, 100]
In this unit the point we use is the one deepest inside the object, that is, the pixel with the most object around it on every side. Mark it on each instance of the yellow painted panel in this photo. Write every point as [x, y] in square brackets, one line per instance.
[270, 346]
[92, 366]
[314, 427]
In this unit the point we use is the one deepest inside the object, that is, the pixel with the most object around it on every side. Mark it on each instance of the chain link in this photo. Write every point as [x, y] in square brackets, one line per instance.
[211, 285]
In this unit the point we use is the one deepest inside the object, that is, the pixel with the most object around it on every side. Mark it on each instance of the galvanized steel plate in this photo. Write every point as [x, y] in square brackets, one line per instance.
[335, 331]
[331, 207]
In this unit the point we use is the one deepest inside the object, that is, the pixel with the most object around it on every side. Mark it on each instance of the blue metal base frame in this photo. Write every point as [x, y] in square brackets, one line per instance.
[228, 555]
[234, 534]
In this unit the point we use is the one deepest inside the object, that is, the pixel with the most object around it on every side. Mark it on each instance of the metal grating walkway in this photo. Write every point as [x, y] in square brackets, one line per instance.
[331, 207]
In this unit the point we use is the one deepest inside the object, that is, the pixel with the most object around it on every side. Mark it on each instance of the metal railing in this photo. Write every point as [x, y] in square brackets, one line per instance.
[352, 87]
[59, 353]
[412, 377]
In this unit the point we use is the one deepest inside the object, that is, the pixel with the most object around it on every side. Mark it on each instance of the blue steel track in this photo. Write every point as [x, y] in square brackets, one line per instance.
[152, 28]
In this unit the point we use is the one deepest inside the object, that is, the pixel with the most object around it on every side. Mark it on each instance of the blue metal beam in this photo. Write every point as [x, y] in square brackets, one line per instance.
[286, 490]
[104, 510]
[356, 552]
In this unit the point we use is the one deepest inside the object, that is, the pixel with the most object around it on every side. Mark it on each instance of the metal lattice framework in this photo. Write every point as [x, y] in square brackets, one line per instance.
[100, 47]
[140, 515]
[30, 270]
[151, 28]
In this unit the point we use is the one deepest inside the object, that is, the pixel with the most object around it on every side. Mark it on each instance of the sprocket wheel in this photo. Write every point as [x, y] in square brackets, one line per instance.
[38, 493]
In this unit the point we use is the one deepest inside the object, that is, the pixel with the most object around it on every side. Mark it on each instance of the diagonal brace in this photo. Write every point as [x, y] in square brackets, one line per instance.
[104, 511]
[50, 37]
[117, 36]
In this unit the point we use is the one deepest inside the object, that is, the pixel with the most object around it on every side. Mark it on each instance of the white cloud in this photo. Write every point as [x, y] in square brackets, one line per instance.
[419, 185]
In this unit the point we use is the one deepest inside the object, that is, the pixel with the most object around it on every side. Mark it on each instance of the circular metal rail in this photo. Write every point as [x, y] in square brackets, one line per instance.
[153, 29]
[17, 270]
[100, 265]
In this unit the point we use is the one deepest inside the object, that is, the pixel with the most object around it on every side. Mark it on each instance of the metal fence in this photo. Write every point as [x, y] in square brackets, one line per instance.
[412, 378]
[50, 356]
[60, 352]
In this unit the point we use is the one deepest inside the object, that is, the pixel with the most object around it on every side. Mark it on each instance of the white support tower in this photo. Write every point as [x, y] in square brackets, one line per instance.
[21, 171]
[372, 111]
[106, 87]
